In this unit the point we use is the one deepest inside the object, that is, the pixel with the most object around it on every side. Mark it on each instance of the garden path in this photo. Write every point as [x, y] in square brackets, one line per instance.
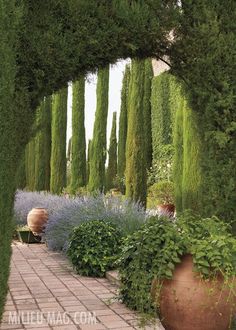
[45, 293]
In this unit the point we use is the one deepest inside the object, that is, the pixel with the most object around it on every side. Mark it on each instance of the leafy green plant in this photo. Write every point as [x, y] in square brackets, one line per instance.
[154, 250]
[162, 192]
[94, 247]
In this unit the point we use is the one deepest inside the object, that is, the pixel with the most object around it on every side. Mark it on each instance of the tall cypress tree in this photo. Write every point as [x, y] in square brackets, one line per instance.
[147, 110]
[21, 173]
[123, 123]
[161, 113]
[43, 146]
[178, 158]
[112, 163]
[192, 176]
[135, 146]
[58, 152]
[30, 165]
[78, 142]
[98, 158]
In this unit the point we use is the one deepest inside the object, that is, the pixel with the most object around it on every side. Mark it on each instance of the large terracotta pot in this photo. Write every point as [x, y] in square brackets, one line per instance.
[166, 209]
[37, 219]
[188, 302]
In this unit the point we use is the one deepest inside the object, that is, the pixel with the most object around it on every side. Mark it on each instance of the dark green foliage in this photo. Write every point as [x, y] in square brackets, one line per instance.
[154, 250]
[94, 247]
[78, 142]
[98, 156]
[58, 153]
[123, 121]
[112, 162]
[148, 76]
[43, 146]
[30, 165]
[135, 145]
[21, 174]
[192, 178]
[178, 158]
[11, 135]
[210, 86]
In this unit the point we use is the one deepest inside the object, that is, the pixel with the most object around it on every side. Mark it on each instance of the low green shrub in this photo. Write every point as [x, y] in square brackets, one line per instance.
[94, 247]
[154, 250]
[162, 192]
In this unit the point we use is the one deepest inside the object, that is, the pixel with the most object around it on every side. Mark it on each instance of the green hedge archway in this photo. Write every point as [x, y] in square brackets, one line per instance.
[43, 45]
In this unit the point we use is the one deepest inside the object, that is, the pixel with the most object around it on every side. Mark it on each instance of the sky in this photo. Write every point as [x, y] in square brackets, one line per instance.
[115, 85]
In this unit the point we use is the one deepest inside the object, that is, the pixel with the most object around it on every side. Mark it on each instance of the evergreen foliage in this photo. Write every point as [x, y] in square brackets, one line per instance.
[11, 135]
[30, 165]
[58, 152]
[148, 76]
[42, 151]
[21, 174]
[98, 156]
[178, 158]
[112, 163]
[78, 142]
[208, 68]
[135, 146]
[161, 113]
[192, 179]
[123, 123]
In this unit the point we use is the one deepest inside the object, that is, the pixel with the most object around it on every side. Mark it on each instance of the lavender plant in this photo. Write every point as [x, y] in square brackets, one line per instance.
[66, 213]
[126, 215]
[25, 201]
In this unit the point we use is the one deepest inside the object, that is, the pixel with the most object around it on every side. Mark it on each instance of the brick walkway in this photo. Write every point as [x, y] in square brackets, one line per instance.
[45, 293]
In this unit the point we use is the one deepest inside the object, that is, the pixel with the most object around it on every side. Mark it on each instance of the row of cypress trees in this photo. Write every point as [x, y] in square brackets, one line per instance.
[129, 157]
[175, 124]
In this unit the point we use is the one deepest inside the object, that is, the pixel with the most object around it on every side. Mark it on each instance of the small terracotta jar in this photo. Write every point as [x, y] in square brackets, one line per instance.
[37, 219]
[166, 209]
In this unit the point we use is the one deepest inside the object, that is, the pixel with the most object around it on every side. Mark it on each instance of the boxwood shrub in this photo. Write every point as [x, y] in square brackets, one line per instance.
[94, 247]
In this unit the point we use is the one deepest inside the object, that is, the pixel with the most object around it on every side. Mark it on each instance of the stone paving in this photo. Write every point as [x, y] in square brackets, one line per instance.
[45, 293]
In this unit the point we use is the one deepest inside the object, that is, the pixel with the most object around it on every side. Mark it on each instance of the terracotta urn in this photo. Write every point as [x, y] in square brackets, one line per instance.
[187, 302]
[166, 209]
[37, 219]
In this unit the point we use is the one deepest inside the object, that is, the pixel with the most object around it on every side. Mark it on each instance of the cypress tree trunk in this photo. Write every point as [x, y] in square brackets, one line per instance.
[78, 142]
[123, 125]
[58, 152]
[98, 158]
[135, 147]
[147, 110]
[112, 164]
[43, 146]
